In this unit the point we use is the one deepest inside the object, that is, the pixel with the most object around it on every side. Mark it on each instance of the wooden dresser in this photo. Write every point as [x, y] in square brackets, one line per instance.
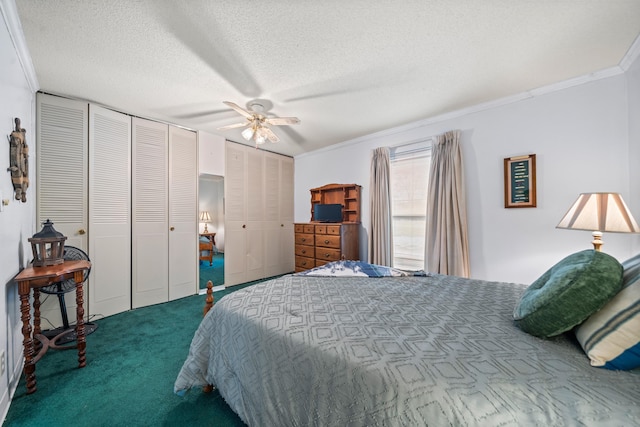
[320, 243]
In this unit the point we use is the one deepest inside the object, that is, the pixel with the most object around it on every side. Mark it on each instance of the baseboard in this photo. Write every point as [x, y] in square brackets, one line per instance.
[13, 380]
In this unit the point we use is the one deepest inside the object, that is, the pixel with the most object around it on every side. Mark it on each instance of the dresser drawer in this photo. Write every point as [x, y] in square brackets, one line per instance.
[304, 228]
[325, 240]
[333, 229]
[304, 239]
[303, 250]
[304, 263]
[327, 254]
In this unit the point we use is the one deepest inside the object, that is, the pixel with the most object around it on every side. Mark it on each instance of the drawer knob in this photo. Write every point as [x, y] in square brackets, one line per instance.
[326, 242]
[304, 251]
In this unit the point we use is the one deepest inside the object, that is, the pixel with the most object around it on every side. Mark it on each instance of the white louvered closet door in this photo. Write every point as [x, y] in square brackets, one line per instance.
[278, 202]
[245, 214]
[234, 215]
[150, 195]
[183, 212]
[109, 211]
[287, 241]
[61, 180]
[272, 224]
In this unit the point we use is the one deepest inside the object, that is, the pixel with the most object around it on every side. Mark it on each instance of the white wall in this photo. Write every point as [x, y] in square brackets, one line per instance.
[211, 163]
[580, 138]
[211, 153]
[633, 89]
[17, 219]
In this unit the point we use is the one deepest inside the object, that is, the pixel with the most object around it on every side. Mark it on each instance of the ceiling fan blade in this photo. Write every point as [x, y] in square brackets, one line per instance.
[270, 135]
[239, 109]
[235, 125]
[281, 121]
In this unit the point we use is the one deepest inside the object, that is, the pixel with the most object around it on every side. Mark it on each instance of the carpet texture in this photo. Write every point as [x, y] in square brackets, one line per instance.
[214, 272]
[133, 359]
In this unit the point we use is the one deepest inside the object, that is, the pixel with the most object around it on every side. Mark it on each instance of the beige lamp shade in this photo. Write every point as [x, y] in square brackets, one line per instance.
[206, 218]
[599, 212]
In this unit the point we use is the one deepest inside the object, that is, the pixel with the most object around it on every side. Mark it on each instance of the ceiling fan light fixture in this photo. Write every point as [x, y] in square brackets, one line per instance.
[248, 133]
[260, 136]
[257, 124]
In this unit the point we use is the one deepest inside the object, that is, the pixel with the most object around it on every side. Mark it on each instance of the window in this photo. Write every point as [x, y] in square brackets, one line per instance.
[410, 164]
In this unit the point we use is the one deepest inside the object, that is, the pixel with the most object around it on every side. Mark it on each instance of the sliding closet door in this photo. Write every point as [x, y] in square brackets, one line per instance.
[62, 179]
[183, 212]
[109, 211]
[150, 198]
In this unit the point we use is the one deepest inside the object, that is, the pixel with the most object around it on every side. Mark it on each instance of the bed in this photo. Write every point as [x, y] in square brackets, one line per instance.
[206, 249]
[396, 350]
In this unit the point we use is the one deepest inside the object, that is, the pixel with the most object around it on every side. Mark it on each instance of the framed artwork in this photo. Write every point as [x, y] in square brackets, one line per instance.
[520, 181]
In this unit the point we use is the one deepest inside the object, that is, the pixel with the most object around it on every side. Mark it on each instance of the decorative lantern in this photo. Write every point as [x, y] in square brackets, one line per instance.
[47, 246]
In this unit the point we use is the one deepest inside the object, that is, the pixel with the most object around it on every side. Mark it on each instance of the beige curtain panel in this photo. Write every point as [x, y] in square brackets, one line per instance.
[446, 239]
[381, 239]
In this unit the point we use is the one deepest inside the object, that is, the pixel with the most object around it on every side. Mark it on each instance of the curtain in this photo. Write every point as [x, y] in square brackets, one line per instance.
[381, 240]
[446, 239]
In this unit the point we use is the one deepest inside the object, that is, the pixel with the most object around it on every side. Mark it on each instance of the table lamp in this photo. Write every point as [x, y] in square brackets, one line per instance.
[599, 212]
[206, 218]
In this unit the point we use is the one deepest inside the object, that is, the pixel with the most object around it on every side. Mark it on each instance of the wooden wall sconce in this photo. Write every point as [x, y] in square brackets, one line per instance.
[19, 162]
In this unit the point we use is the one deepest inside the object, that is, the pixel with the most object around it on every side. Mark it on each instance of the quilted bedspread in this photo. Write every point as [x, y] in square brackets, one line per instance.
[396, 351]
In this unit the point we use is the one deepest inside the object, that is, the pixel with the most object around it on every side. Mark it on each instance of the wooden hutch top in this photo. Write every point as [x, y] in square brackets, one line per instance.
[348, 195]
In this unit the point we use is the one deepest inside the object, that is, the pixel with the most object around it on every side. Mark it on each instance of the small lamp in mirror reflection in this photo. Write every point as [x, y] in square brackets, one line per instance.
[599, 212]
[206, 218]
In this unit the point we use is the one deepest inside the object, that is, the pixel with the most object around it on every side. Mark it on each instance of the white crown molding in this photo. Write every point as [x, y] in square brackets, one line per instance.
[12, 20]
[632, 54]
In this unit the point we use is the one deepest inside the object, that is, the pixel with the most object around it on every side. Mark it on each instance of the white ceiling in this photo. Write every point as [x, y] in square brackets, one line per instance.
[345, 68]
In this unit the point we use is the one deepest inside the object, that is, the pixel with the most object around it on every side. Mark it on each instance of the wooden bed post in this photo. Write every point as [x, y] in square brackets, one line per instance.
[208, 303]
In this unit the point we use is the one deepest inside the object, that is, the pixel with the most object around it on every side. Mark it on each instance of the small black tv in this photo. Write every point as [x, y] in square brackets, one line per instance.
[327, 212]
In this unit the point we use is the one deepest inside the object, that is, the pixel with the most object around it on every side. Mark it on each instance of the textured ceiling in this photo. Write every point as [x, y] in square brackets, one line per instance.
[345, 68]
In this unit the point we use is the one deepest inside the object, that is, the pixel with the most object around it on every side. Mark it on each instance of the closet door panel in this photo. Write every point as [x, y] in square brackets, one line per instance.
[287, 241]
[109, 211]
[150, 198]
[272, 235]
[234, 216]
[183, 212]
[62, 180]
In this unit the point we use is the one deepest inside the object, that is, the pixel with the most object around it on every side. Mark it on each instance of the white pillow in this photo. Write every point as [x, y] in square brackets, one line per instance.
[611, 336]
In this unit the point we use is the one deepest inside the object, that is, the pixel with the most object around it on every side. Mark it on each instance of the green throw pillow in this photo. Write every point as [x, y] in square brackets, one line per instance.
[568, 293]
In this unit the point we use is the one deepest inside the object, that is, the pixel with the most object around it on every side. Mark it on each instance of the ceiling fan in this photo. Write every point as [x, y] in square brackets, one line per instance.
[257, 123]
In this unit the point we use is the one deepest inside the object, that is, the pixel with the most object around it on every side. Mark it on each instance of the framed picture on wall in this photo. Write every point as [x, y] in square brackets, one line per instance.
[520, 181]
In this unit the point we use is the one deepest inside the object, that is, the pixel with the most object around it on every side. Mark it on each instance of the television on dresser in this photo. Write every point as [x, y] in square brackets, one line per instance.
[327, 212]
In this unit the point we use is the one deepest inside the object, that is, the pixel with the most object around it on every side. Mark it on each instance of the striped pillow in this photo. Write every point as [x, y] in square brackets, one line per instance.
[611, 336]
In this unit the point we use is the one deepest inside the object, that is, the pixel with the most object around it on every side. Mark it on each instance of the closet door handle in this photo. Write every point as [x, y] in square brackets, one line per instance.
[244, 225]
[82, 231]
[172, 228]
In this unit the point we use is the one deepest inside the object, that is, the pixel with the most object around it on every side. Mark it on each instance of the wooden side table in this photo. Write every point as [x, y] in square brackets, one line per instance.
[35, 278]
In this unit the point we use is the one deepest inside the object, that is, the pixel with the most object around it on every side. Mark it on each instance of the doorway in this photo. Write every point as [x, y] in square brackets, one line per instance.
[211, 214]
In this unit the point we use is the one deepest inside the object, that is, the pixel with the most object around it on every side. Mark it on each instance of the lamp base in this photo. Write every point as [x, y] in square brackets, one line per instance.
[205, 228]
[597, 240]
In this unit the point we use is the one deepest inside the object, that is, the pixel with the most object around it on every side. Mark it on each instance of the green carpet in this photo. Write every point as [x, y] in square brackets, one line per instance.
[214, 272]
[133, 359]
